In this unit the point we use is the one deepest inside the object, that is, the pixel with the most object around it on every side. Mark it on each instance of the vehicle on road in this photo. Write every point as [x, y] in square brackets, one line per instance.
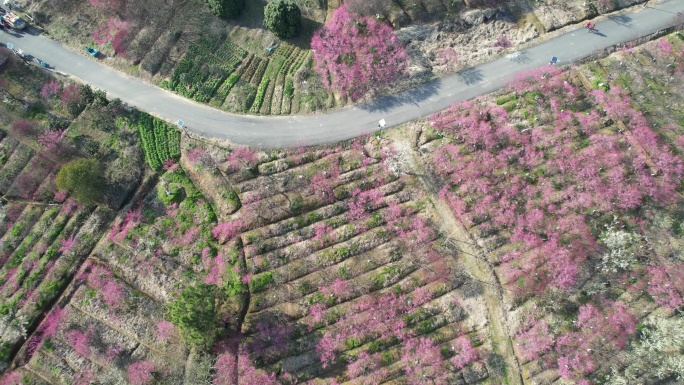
[14, 20]
[92, 51]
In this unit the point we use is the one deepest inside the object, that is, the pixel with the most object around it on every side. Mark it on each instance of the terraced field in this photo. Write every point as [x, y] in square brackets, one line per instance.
[210, 70]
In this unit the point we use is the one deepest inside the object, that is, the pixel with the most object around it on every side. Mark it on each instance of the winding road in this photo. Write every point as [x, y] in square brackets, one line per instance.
[345, 123]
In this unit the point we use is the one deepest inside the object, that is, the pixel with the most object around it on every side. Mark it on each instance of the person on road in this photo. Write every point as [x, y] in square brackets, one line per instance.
[591, 27]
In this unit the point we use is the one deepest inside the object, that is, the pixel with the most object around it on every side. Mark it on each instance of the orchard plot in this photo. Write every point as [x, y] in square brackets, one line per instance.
[563, 186]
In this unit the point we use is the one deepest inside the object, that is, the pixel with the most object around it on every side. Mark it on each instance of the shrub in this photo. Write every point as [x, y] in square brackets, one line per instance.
[194, 312]
[354, 53]
[226, 8]
[283, 18]
[23, 127]
[259, 282]
[82, 179]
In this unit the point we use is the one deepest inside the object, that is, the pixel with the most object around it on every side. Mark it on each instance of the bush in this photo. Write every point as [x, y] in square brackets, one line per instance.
[283, 18]
[226, 8]
[83, 179]
[194, 312]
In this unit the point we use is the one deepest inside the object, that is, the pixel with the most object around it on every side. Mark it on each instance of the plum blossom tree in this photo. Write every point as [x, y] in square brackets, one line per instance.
[50, 139]
[164, 330]
[464, 352]
[354, 54]
[665, 285]
[237, 369]
[81, 341]
[114, 29]
[534, 341]
[226, 231]
[49, 89]
[22, 127]
[423, 362]
[140, 373]
[599, 331]
[242, 158]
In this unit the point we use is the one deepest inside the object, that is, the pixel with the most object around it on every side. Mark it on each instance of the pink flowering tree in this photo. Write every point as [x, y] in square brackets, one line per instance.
[50, 139]
[102, 280]
[114, 29]
[364, 369]
[423, 362]
[242, 158]
[226, 231]
[67, 244]
[237, 369]
[338, 290]
[599, 332]
[535, 341]
[23, 127]
[354, 54]
[464, 352]
[81, 341]
[666, 284]
[363, 203]
[47, 329]
[141, 373]
[170, 165]
[71, 94]
[49, 89]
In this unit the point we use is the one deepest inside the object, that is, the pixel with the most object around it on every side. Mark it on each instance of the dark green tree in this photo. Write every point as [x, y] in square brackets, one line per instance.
[226, 8]
[194, 312]
[83, 179]
[283, 18]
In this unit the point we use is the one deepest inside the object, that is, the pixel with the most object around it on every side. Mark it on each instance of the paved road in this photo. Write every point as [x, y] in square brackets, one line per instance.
[291, 131]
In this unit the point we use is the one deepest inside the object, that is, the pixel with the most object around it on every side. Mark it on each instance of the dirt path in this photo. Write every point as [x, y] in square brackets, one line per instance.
[476, 266]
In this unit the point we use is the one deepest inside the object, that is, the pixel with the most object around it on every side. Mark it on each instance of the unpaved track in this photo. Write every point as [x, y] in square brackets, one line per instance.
[478, 268]
[293, 131]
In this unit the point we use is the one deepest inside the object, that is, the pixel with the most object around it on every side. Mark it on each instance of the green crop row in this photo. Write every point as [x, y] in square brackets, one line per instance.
[227, 85]
[232, 48]
[147, 138]
[191, 79]
[174, 143]
[207, 89]
[251, 69]
[259, 95]
[261, 70]
[161, 138]
[159, 141]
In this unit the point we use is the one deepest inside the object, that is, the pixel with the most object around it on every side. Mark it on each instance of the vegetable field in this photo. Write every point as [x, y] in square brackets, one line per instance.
[210, 70]
[160, 142]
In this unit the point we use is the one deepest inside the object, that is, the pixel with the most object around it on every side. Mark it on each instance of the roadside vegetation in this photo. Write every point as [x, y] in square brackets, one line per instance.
[256, 56]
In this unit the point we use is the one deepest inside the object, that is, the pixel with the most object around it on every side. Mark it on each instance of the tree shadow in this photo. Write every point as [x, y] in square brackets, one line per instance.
[520, 57]
[309, 26]
[252, 16]
[621, 19]
[414, 96]
[470, 76]
[13, 33]
[32, 31]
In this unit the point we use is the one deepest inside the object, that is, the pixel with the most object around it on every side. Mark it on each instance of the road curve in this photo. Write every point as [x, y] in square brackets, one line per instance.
[333, 126]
